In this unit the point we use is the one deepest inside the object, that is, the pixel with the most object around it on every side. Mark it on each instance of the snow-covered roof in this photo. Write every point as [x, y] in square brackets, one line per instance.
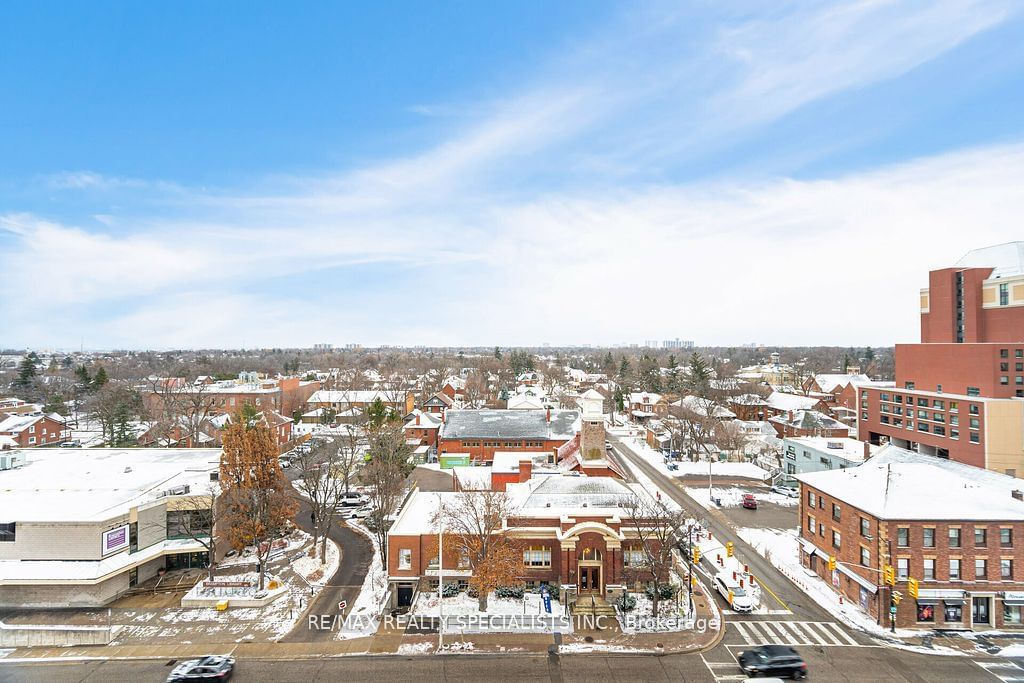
[505, 462]
[1005, 259]
[592, 394]
[473, 478]
[19, 423]
[510, 424]
[85, 484]
[561, 494]
[425, 420]
[702, 406]
[524, 402]
[786, 402]
[829, 382]
[643, 397]
[809, 419]
[902, 485]
[844, 447]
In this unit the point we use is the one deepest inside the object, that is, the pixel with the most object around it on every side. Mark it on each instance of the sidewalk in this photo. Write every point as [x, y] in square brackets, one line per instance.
[388, 643]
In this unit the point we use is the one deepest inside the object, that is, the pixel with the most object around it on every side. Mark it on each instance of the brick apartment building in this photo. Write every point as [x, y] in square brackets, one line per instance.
[284, 396]
[29, 431]
[958, 530]
[958, 394]
[574, 531]
[481, 433]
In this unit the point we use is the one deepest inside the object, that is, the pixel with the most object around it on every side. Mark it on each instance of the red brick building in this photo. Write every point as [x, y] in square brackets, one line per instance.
[957, 530]
[808, 423]
[29, 431]
[575, 531]
[481, 433]
[957, 393]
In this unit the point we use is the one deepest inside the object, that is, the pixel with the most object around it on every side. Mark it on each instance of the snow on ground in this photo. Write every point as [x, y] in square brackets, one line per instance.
[733, 496]
[781, 548]
[687, 467]
[364, 615]
[649, 485]
[415, 648]
[315, 571]
[427, 604]
[1015, 650]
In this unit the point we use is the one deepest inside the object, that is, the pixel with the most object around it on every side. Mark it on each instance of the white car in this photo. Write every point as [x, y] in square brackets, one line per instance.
[355, 513]
[741, 601]
[787, 491]
[352, 499]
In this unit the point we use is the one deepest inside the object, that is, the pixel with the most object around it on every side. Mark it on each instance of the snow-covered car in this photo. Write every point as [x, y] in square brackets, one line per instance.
[355, 513]
[787, 491]
[285, 463]
[210, 668]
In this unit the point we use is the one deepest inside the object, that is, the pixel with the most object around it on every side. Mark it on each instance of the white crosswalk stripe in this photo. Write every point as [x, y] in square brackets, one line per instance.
[1004, 671]
[793, 633]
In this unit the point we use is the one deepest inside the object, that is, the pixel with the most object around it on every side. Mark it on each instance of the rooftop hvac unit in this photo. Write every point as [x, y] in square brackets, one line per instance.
[8, 461]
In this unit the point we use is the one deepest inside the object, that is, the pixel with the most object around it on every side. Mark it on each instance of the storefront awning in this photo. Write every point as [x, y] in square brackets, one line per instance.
[953, 601]
[928, 601]
[1014, 603]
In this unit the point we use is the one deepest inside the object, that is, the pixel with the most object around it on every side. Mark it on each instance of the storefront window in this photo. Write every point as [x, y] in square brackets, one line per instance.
[954, 612]
[925, 612]
[1011, 614]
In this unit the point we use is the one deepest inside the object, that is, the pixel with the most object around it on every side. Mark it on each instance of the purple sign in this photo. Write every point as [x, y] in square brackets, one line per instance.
[115, 539]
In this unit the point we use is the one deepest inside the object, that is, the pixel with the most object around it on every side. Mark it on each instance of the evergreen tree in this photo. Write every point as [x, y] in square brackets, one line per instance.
[100, 379]
[624, 369]
[699, 381]
[82, 375]
[497, 352]
[26, 372]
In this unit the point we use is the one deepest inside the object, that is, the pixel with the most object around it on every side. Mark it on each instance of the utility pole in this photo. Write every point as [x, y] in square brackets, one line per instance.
[440, 573]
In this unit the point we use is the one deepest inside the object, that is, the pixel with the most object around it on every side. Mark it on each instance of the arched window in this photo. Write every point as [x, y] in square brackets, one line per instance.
[591, 554]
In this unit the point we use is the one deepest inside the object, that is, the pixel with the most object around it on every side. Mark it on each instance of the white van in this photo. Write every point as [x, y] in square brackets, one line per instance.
[742, 600]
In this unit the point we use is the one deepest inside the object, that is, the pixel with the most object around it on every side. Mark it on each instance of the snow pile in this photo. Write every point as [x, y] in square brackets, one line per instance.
[315, 572]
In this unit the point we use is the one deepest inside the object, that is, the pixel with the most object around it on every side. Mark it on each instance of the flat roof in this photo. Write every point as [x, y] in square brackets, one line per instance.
[95, 484]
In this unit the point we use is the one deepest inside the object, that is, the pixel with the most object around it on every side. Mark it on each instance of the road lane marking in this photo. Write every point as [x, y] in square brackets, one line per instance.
[842, 634]
[771, 592]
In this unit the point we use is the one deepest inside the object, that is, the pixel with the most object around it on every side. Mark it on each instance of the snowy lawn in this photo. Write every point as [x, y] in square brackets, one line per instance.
[687, 467]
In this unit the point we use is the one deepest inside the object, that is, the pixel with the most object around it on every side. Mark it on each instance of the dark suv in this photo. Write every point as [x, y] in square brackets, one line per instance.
[773, 660]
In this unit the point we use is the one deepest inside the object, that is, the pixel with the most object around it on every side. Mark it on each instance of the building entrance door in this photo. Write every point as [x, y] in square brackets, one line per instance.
[590, 579]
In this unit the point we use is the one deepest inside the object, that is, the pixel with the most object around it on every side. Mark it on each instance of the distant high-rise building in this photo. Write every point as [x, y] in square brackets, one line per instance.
[676, 343]
[323, 348]
[958, 393]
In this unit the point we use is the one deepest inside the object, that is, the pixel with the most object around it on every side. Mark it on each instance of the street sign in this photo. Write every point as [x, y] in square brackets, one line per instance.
[342, 605]
[547, 601]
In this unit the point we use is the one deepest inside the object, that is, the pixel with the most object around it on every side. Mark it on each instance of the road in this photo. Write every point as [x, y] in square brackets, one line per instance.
[833, 664]
[356, 554]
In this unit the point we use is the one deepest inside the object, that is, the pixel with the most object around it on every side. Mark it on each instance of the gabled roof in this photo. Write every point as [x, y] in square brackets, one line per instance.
[783, 401]
[829, 382]
[808, 419]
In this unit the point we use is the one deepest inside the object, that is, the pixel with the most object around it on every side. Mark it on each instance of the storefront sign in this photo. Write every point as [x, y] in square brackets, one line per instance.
[115, 539]
[1014, 595]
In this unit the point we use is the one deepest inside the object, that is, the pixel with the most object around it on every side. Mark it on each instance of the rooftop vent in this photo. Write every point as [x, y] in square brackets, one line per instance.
[1017, 494]
[835, 444]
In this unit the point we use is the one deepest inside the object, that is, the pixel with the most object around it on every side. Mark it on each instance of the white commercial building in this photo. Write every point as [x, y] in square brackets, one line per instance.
[80, 527]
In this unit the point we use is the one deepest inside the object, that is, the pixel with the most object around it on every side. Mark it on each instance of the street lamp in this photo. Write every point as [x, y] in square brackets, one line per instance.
[440, 573]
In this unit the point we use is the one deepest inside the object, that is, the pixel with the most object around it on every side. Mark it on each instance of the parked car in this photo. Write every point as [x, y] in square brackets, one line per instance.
[210, 668]
[356, 513]
[672, 465]
[773, 660]
[285, 463]
[353, 499]
[70, 444]
[787, 491]
[749, 501]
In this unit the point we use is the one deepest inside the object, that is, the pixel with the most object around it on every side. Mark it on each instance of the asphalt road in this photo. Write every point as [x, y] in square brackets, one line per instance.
[356, 555]
[854, 664]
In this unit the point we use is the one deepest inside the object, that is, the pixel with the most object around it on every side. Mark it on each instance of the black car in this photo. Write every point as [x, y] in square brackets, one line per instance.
[211, 668]
[773, 660]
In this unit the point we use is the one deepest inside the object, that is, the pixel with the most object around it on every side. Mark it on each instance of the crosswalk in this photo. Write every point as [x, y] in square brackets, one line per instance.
[1004, 671]
[793, 633]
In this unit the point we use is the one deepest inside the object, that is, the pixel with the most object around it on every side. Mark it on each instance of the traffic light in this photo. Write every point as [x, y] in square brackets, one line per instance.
[728, 549]
[896, 597]
[696, 555]
[831, 563]
[730, 596]
[889, 575]
[693, 581]
[912, 587]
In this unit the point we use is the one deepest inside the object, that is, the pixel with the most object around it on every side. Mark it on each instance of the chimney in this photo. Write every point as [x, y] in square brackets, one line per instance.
[867, 450]
[1017, 494]
[417, 418]
[525, 470]
[549, 414]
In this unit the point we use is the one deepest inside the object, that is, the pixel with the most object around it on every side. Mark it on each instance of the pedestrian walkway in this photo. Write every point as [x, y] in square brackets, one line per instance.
[824, 633]
[1004, 671]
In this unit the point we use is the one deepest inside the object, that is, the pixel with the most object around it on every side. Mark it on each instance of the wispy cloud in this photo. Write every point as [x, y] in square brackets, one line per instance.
[512, 215]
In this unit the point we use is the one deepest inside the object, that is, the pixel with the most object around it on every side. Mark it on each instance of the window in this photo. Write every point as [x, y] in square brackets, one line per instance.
[980, 537]
[973, 391]
[980, 570]
[954, 538]
[954, 406]
[975, 437]
[1004, 367]
[903, 537]
[929, 537]
[187, 523]
[835, 511]
[1006, 570]
[1011, 614]
[973, 409]
[925, 612]
[811, 499]
[974, 423]
[540, 556]
[902, 568]
[1006, 538]
[7, 530]
[810, 523]
[865, 526]
[631, 557]
[923, 402]
[929, 569]
[954, 570]
[908, 385]
[1004, 299]
[865, 557]
[836, 539]
[1004, 353]
[954, 612]
[1004, 380]
[405, 558]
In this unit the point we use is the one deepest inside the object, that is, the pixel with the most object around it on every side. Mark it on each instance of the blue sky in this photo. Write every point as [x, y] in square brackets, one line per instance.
[465, 173]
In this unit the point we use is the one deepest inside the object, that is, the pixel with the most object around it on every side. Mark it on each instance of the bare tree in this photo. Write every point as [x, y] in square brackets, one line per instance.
[658, 528]
[318, 484]
[178, 403]
[385, 481]
[474, 527]
[197, 516]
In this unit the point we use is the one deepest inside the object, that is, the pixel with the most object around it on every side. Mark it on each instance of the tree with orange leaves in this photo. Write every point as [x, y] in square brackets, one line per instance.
[258, 499]
[475, 533]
